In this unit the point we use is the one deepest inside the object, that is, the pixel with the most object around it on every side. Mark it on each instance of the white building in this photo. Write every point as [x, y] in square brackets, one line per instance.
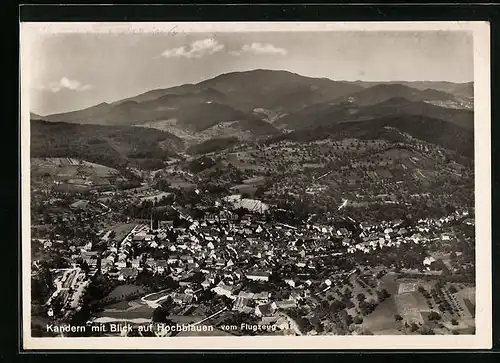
[258, 276]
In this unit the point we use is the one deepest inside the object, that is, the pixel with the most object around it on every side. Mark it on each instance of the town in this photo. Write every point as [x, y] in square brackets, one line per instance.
[241, 266]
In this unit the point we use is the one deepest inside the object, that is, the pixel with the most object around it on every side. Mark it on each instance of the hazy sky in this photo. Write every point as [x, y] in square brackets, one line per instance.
[73, 71]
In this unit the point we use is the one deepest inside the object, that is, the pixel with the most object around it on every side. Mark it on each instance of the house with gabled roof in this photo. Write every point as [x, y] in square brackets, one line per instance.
[242, 303]
[266, 309]
[225, 290]
[286, 304]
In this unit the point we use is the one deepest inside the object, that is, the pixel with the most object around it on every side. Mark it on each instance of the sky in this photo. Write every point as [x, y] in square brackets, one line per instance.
[78, 70]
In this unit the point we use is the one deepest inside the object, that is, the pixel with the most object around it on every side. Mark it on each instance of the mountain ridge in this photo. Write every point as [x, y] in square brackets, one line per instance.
[445, 86]
[324, 114]
[209, 83]
[250, 105]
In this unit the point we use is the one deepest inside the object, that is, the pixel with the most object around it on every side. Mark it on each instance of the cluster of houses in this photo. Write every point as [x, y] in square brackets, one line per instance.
[225, 249]
[232, 253]
[393, 234]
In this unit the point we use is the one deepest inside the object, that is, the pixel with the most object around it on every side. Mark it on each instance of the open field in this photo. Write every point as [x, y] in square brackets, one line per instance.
[382, 318]
[129, 314]
[70, 167]
[244, 189]
[245, 161]
[121, 230]
[66, 175]
[170, 126]
[123, 291]
[127, 310]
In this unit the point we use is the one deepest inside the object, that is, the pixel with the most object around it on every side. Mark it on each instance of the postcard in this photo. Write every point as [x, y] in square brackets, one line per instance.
[260, 185]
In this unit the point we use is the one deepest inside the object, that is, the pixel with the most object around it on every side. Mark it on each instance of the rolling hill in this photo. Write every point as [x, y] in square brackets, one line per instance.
[424, 128]
[326, 114]
[113, 146]
[384, 92]
[194, 111]
[456, 89]
[34, 116]
[84, 116]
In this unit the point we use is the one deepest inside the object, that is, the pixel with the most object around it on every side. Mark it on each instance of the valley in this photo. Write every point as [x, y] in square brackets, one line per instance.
[259, 198]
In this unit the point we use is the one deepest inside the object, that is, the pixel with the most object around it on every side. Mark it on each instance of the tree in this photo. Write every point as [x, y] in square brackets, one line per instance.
[304, 325]
[41, 285]
[85, 267]
[398, 317]
[358, 319]
[318, 326]
[383, 294]
[348, 303]
[112, 234]
[453, 256]
[427, 331]
[167, 303]
[160, 314]
[434, 316]
[259, 191]
[57, 305]
[366, 307]
[324, 305]
[361, 297]
[337, 306]
[454, 322]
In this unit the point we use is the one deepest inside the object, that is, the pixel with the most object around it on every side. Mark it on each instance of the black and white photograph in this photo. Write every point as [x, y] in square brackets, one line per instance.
[256, 185]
